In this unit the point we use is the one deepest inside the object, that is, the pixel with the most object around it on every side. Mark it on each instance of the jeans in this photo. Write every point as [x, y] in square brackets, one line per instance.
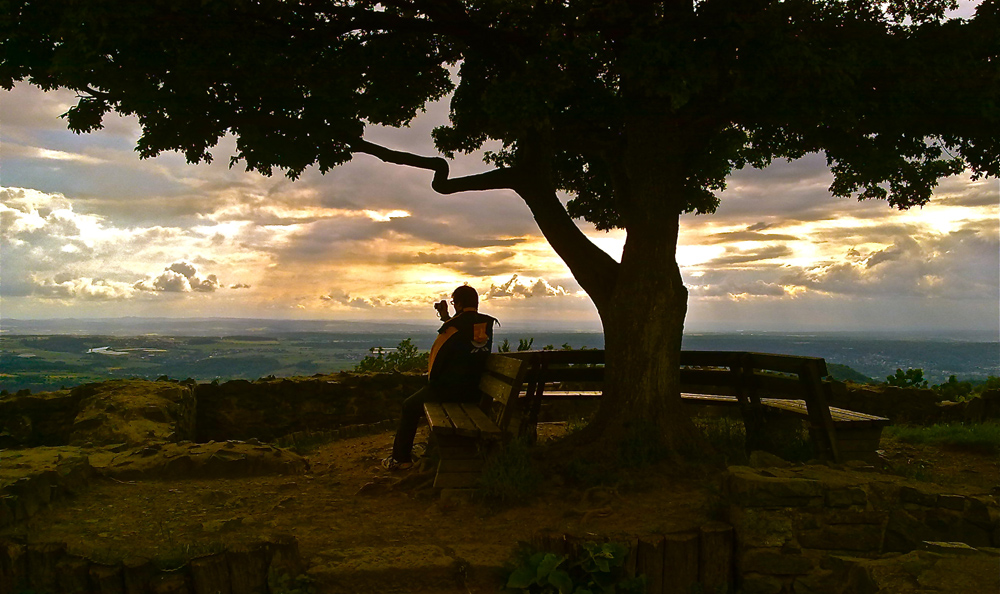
[413, 409]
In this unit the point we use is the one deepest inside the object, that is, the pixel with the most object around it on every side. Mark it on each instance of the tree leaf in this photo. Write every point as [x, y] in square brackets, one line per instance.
[561, 580]
[548, 564]
[522, 577]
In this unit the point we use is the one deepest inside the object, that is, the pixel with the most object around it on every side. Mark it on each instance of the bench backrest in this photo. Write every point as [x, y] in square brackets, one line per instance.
[729, 373]
[500, 386]
[747, 376]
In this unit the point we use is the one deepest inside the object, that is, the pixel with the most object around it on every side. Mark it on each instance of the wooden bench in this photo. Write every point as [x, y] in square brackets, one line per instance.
[759, 383]
[465, 432]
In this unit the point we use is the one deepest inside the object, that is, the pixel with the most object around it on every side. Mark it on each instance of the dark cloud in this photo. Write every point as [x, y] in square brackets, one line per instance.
[735, 256]
[748, 235]
[467, 264]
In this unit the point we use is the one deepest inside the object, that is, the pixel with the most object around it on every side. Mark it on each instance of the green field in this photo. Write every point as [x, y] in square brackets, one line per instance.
[50, 362]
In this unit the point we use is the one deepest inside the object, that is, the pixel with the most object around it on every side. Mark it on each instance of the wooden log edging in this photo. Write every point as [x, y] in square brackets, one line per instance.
[240, 569]
[672, 563]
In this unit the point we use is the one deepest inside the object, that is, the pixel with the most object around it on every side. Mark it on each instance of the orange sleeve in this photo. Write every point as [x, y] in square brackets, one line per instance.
[438, 343]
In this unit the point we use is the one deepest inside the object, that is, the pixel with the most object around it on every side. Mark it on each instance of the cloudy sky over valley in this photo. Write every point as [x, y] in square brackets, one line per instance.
[90, 230]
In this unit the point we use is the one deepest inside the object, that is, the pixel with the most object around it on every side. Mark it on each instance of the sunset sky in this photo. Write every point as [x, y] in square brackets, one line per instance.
[90, 230]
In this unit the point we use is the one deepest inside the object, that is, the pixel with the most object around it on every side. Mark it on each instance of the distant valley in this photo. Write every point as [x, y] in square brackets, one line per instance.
[38, 357]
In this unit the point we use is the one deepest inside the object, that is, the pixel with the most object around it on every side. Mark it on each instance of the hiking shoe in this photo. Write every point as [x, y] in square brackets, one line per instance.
[391, 463]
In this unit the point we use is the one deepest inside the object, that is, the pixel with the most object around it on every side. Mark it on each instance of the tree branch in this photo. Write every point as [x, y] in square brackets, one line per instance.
[498, 179]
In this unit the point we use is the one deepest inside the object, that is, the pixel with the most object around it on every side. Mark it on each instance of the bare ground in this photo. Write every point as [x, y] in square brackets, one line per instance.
[363, 528]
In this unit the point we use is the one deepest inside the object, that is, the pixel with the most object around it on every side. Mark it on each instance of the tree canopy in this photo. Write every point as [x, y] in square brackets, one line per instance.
[894, 96]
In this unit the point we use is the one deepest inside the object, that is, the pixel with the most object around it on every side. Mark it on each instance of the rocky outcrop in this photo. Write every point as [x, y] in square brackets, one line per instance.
[230, 459]
[113, 412]
[807, 528]
[31, 479]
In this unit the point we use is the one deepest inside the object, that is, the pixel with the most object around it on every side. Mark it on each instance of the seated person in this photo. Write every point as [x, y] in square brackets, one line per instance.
[457, 360]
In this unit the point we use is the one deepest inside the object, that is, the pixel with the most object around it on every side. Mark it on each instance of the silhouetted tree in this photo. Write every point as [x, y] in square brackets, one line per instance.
[637, 109]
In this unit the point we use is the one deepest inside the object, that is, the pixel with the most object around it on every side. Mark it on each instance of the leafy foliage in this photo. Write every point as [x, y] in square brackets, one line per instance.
[405, 357]
[523, 344]
[598, 568]
[911, 378]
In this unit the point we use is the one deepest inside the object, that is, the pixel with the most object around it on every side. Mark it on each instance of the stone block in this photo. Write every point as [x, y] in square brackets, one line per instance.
[978, 513]
[953, 502]
[73, 575]
[749, 488]
[843, 537]
[847, 516]
[774, 562]
[846, 497]
[916, 497]
[904, 532]
[762, 584]
[818, 582]
[761, 528]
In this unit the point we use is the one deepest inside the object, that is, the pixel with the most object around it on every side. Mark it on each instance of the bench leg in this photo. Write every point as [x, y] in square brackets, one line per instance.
[858, 443]
[461, 462]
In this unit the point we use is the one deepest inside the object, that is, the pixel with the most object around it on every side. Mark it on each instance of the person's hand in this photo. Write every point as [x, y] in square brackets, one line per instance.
[442, 308]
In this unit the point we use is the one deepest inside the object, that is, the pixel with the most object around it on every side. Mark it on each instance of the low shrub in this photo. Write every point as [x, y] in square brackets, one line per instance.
[597, 567]
[973, 436]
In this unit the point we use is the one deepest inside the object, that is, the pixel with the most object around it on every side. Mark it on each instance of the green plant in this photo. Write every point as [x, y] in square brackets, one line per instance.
[405, 357]
[726, 436]
[597, 568]
[973, 436]
[509, 474]
[523, 344]
[911, 378]
[954, 390]
[281, 583]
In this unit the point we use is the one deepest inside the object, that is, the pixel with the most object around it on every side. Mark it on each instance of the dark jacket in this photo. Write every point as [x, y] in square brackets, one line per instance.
[459, 354]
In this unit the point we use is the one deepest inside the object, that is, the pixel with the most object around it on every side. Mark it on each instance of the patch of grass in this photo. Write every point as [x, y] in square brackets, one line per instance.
[509, 474]
[981, 437]
[727, 436]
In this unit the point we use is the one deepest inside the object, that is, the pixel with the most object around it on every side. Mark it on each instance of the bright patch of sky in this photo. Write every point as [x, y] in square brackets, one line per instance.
[89, 230]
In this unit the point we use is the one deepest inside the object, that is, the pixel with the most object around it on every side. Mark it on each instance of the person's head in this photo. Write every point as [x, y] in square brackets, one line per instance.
[465, 296]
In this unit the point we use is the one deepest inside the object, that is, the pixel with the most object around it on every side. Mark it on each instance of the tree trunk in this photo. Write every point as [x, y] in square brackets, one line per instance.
[644, 319]
[643, 328]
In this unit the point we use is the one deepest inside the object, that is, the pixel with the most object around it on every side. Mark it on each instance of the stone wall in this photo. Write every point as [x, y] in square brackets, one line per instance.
[912, 405]
[269, 409]
[239, 569]
[806, 528]
[134, 412]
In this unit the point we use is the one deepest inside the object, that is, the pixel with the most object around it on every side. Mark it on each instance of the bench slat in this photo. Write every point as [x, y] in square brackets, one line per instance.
[496, 388]
[487, 428]
[567, 374]
[569, 394]
[787, 363]
[438, 419]
[463, 424]
[508, 367]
